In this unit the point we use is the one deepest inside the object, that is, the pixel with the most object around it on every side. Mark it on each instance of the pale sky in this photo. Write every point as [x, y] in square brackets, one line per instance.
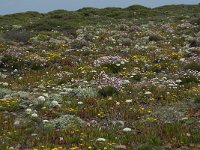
[13, 6]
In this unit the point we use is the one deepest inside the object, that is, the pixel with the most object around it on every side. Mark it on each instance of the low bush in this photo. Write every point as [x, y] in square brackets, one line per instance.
[36, 66]
[197, 100]
[11, 62]
[193, 66]
[113, 68]
[155, 37]
[108, 91]
[136, 77]
[189, 79]
[17, 36]
[78, 44]
[194, 43]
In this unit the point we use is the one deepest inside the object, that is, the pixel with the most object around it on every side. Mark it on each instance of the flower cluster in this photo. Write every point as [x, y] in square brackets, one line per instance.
[109, 60]
[104, 80]
[165, 82]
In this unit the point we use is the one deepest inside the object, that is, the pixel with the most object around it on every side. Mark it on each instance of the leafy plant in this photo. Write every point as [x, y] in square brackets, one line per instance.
[63, 122]
[17, 36]
[12, 62]
[36, 66]
[113, 67]
[189, 79]
[4, 91]
[108, 91]
[193, 66]
[83, 92]
[197, 99]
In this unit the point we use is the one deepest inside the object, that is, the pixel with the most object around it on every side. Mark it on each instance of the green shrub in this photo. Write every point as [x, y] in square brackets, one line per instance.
[196, 51]
[36, 66]
[4, 91]
[64, 122]
[113, 68]
[197, 100]
[62, 81]
[155, 37]
[78, 44]
[152, 141]
[59, 20]
[193, 66]
[136, 77]
[126, 42]
[70, 31]
[17, 36]
[11, 62]
[194, 43]
[190, 79]
[108, 91]
[196, 21]
[88, 11]
[83, 92]
[40, 26]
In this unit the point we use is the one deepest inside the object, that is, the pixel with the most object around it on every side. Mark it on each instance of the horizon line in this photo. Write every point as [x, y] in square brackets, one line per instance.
[45, 12]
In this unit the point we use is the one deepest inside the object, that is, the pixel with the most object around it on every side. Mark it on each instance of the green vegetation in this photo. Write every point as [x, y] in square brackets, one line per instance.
[111, 78]
[108, 91]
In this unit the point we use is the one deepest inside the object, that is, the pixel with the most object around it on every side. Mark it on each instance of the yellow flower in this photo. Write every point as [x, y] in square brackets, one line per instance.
[142, 109]
[149, 111]
[81, 68]
[73, 148]
[89, 147]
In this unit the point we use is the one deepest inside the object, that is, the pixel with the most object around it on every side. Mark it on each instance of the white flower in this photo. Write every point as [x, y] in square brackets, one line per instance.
[117, 64]
[117, 103]
[68, 89]
[147, 93]
[101, 140]
[126, 81]
[127, 129]
[171, 84]
[188, 134]
[46, 94]
[94, 71]
[34, 134]
[129, 100]
[80, 103]
[3, 76]
[44, 108]
[28, 111]
[184, 118]
[41, 98]
[122, 62]
[55, 103]
[133, 74]
[15, 70]
[34, 115]
[5, 84]
[110, 98]
[17, 122]
[45, 121]
[178, 81]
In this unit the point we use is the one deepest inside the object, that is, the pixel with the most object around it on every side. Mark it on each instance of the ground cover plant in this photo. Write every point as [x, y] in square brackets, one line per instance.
[107, 78]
